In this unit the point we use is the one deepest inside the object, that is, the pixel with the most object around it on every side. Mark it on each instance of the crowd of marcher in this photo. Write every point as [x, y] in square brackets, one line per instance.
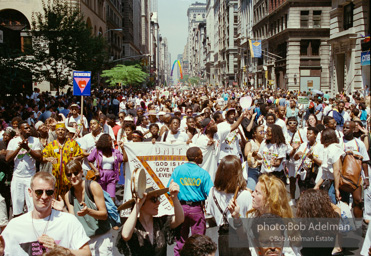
[283, 155]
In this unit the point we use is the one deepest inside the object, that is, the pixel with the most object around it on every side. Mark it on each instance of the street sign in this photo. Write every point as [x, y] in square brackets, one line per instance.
[81, 83]
[365, 58]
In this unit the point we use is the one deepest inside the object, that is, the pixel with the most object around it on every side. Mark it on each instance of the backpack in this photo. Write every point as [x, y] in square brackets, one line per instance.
[113, 214]
[337, 116]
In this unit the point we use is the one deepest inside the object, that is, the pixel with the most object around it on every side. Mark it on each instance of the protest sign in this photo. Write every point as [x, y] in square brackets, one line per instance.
[159, 161]
[303, 100]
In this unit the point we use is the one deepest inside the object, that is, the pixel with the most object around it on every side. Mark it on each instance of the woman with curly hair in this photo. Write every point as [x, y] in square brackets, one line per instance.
[316, 204]
[228, 178]
[198, 245]
[272, 151]
[107, 161]
[311, 122]
[269, 197]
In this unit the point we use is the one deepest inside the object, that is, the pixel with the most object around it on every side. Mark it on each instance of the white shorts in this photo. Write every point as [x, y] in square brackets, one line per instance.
[102, 245]
[19, 191]
[3, 213]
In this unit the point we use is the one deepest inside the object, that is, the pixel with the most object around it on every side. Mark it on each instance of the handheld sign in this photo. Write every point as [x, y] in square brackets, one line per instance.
[303, 100]
[245, 102]
[81, 83]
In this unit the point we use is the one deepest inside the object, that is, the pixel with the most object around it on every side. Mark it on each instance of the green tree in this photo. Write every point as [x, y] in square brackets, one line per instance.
[15, 70]
[62, 42]
[194, 80]
[127, 75]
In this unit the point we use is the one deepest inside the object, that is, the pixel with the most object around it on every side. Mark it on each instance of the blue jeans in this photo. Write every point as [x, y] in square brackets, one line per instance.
[331, 193]
[253, 176]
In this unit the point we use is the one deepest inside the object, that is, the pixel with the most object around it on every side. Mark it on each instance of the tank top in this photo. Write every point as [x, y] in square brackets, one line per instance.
[91, 225]
[107, 162]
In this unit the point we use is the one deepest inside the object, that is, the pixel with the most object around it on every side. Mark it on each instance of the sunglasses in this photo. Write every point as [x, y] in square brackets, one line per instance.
[262, 132]
[189, 112]
[154, 199]
[293, 122]
[40, 192]
[74, 173]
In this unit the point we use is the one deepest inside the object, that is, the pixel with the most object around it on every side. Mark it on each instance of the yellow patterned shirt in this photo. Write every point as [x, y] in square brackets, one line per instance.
[64, 153]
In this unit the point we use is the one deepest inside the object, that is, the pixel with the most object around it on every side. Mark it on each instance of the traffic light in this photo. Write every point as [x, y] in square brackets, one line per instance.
[244, 68]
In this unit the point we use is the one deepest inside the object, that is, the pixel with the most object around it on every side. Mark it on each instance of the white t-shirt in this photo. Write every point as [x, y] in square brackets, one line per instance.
[231, 144]
[76, 120]
[87, 143]
[24, 164]
[330, 155]
[211, 153]
[358, 148]
[269, 151]
[282, 124]
[108, 130]
[178, 137]
[244, 200]
[144, 130]
[327, 109]
[317, 150]
[122, 106]
[21, 234]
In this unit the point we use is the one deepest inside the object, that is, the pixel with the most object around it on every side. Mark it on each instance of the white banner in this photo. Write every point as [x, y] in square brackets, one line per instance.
[159, 161]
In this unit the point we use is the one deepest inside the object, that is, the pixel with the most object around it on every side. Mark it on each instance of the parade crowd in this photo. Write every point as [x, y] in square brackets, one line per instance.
[275, 154]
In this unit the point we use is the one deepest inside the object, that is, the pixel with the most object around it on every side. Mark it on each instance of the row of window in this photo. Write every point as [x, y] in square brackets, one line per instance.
[274, 28]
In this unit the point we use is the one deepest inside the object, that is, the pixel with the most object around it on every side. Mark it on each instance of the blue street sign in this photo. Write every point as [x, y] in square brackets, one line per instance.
[365, 58]
[81, 83]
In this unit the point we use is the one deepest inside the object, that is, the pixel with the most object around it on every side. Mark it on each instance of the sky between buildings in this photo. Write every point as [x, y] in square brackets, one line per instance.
[173, 21]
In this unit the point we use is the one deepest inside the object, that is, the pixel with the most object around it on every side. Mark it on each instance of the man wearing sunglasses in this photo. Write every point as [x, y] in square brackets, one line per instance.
[294, 140]
[43, 228]
[24, 150]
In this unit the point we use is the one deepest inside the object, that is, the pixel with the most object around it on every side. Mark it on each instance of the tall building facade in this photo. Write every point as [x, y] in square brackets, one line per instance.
[113, 30]
[294, 39]
[196, 14]
[131, 25]
[350, 20]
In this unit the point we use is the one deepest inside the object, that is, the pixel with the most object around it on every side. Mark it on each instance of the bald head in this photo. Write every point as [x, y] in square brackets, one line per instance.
[351, 124]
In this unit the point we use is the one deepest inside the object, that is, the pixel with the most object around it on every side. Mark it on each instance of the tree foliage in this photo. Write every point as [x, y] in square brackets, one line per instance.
[192, 80]
[15, 69]
[127, 75]
[62, 42]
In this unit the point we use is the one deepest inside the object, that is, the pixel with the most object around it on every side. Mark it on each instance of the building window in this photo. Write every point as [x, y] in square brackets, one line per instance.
[317, 19]
[304, 17]
[348, 16]
[309, 47]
